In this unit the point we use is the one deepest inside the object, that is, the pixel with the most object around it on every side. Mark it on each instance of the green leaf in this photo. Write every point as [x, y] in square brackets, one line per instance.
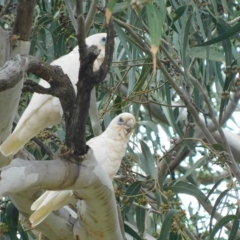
[111, 4]
[218, 147]
[167, 223]
[12, 216]
[220, 197]
[187, 188]
[140, 219]
[22, 233]
[155, 19]
[196, 165]
[221, 224]
[168, 112]
[149, 160]
[189, 178]
[200, 52]
[143, 77]
[214, 187]
[227, 34]
[132, 190]
[151, 125]
[179, 12]
[131, 232]
[119, 7]
[228, 80]
[235, 226]
[185, 42]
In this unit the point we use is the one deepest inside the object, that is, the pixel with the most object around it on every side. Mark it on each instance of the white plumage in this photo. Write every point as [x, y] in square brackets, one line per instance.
[45, 110]
[108, 148]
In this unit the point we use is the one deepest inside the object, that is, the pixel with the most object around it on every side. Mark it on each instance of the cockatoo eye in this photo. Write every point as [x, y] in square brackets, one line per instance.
[103, 40]
[120, 121]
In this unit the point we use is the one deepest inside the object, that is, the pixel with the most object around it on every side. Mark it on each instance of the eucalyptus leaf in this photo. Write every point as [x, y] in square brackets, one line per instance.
[167, 224]
[220, 224]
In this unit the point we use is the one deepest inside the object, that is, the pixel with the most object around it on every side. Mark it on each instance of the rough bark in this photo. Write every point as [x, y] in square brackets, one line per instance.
[75, 136]
[24, 19]
[61, 87]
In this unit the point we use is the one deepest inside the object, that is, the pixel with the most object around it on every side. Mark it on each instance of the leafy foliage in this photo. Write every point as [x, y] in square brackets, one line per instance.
[168, 159]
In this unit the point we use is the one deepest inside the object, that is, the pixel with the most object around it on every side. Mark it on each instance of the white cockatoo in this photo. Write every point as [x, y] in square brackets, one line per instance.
[45, 110]
[108, 148]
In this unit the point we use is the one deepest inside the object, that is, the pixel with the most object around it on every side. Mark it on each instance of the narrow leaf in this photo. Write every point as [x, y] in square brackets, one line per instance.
[221, 224]
[140, 219]
[220, 197]
[215, 187]
[196, 165]
[179, 12]
[235, 226]
[132, 190]
[199, 52]
[131, 232]
[167, 223]
[187, 188]
[150, 161]
[227, 34]
[155, 18]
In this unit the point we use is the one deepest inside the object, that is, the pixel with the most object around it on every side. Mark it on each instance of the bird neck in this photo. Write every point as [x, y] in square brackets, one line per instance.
[118, 135]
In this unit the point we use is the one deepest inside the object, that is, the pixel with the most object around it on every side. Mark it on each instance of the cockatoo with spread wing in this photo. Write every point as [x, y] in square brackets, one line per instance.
[108, 148]
[45, 110]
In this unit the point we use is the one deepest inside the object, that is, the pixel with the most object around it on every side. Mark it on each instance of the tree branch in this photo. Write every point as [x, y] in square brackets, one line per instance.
[75, 136]
[88, 182]
[90, 15]
[61, 86]
[23, 22]
[5, 9]
[71, 15]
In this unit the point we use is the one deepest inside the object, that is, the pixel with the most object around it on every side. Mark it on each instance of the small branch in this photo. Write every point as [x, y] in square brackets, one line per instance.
[24, 19]
[5, 9]
[71, 15]
[79, 8]
[43, 146]
[60, 83]
[30, 86]
[90, 15]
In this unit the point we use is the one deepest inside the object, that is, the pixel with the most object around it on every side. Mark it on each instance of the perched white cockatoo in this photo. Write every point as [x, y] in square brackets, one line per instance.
[45, 110]
[108, 148]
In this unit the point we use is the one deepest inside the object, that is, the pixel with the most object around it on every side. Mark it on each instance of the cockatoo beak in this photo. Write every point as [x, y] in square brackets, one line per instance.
[129, 125]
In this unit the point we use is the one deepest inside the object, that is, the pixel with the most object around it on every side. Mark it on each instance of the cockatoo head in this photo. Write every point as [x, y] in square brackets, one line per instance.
[98, 40]
[121, 126]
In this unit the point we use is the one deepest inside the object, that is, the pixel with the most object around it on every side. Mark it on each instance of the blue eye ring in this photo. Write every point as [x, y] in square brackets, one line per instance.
[103, 40]
[120, 121]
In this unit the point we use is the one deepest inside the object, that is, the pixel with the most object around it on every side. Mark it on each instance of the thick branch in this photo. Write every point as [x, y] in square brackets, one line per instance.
[61, 87]
[88, 182]
[12, 72]
[24, 19]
